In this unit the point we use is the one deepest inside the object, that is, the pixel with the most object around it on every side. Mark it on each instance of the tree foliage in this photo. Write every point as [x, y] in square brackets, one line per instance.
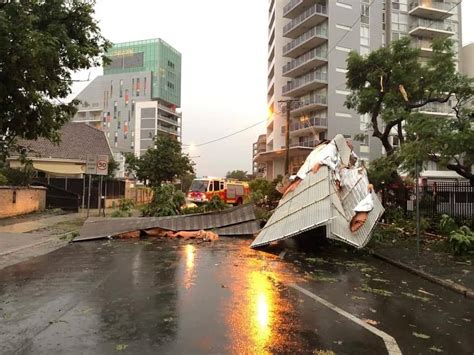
[237, 174]
[392, 86]
[166, 201]
[162, 163]
[41, 44]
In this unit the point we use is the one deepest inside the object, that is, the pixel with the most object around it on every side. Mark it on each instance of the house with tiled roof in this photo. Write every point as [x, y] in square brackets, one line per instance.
[67, 158]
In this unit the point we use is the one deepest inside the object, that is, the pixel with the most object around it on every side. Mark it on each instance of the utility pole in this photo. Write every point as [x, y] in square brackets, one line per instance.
[288, 106]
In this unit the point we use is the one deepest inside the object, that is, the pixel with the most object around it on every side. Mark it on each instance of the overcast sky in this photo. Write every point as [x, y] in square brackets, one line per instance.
[224, 72]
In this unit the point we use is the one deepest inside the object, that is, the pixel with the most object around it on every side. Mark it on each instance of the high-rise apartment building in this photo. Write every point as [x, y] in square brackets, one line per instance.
[137, 97]
[309, 41]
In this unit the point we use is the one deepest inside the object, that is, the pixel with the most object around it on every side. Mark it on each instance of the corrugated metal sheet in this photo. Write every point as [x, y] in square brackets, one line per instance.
[317, 202]
[303, 209]
[233, 221]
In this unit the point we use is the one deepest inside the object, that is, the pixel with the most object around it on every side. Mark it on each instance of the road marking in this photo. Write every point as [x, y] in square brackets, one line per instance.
[390, 342]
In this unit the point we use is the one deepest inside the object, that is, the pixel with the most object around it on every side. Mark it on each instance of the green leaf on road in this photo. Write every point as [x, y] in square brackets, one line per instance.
[377, 291]
[421, 335]
[411, 295]
[121, 347]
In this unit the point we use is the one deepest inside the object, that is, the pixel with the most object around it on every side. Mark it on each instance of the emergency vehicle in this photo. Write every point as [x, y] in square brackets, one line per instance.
[230, 191]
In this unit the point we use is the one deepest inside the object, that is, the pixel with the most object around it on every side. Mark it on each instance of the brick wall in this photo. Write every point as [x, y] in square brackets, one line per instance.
[16, 201]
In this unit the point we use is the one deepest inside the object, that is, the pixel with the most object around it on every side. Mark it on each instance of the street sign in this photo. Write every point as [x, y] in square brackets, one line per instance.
[102, 165]
[91, 164]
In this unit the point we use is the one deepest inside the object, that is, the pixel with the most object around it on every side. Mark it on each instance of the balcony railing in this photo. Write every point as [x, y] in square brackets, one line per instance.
[315, 9]
[312, 122]
[168, 130]
[442, 6]
[305, 79]
[167, 109]
[168, 120]
[312, 100]
[316, 31]
[309, 144]
[438, 108]
[421, 43]
[433, 25]
[318, 52]
[291, 5]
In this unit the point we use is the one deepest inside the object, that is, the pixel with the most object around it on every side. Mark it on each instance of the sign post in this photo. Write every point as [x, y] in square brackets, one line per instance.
[96, 165]
[102, 168]
[91, 169]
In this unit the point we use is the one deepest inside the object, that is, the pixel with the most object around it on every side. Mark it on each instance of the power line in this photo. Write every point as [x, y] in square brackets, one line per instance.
[225, 137]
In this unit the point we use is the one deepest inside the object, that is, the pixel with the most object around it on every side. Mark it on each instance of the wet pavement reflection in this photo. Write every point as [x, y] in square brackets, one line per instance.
[168, 297]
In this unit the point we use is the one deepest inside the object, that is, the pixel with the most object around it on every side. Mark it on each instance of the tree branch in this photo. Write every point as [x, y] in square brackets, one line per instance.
[441, 100]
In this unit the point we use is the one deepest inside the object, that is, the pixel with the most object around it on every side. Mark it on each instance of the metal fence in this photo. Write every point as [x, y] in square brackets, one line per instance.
[114, 189]
[455, 199]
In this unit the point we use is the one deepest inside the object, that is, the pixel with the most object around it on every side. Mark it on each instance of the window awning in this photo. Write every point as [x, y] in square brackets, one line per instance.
[59, 168]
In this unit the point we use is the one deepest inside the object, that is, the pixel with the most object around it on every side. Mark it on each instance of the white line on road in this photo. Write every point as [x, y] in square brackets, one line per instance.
[390, 342]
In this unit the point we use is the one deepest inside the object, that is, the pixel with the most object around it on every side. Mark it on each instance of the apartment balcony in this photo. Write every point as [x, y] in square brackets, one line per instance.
[311, 60]
[173, 131]
[315, 37]
[430, 29]
[310, 82]
[295, 7]
[168, 120]
[314, 103]
[430, 9]
[271, 86]
[438, 109]
[307, 144]
[168, 110]
[423, 45]
[313, 16]
[305, 126]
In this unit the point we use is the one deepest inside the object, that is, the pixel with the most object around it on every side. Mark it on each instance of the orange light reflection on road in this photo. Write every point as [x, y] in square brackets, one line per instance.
[261, 298]
[190, 253]
[189, 256]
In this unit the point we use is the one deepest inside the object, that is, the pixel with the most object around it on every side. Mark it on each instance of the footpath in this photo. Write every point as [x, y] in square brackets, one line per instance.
[34, 235]
[432, 262]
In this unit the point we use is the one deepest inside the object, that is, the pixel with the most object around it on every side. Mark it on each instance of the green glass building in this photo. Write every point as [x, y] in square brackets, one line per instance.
[153, 55]
[137, 97]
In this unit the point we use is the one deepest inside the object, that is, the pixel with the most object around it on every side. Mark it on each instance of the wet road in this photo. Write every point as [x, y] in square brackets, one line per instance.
[149, 297]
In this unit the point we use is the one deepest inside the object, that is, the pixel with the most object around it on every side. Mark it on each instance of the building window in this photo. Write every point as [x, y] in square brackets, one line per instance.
[133, 107]
[111, 87]
[121, 88]
[137, 89]
[115, 110]
[126, 97]
[364, 13]
[170, 85]
[364, 35]
[144, 86]
[133, 85]
[118, 124]
[170, 64]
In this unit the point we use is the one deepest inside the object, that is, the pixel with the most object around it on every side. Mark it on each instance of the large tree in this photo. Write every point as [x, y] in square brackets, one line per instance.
[41, 44]
[392, 85]
[164, 162]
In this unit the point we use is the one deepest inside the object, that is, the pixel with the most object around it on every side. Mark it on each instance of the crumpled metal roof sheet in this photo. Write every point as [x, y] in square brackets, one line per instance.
[317, 202]
[233, 221]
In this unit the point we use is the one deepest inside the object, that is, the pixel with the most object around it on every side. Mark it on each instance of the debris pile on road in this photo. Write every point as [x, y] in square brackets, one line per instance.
[331, 190]
[236, 221]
